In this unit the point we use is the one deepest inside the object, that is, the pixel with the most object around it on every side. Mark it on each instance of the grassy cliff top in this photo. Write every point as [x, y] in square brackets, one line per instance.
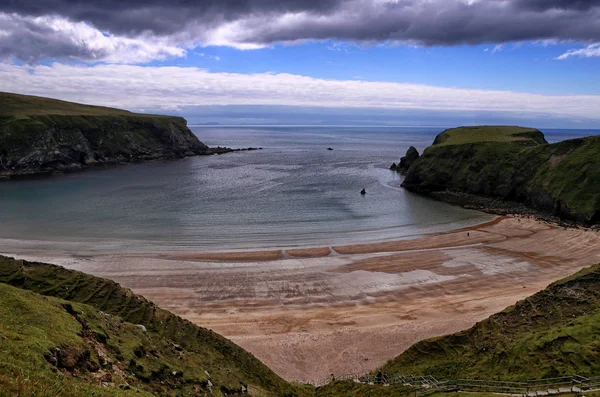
[490, 133]
[552, 333]
[19, 106]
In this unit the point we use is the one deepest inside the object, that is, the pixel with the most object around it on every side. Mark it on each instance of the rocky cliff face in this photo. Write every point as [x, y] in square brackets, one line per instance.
[561, 179]
[45, 144]
[406, 161]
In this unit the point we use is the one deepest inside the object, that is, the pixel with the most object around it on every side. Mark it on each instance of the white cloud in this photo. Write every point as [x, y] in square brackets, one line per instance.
[592, 50]
[139, 87]
[33, 39]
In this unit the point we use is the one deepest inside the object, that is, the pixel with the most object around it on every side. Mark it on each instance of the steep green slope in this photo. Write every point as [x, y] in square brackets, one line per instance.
[99, 337]
[43, 135]
[554, 332]
[32, 330]
[561, 179]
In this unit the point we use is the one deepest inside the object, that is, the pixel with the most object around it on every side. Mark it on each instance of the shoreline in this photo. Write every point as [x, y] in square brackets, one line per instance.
[350, 308]
[163, 249]
[76, 167]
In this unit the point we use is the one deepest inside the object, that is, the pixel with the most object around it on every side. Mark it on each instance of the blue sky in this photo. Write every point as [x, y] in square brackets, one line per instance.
[402, 62]
[528, 67]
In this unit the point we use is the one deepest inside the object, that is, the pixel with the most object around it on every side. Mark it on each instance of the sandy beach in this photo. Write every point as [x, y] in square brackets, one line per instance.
[311, 312]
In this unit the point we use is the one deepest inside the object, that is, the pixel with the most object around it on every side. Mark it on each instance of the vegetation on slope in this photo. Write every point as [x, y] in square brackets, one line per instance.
[514, 164]
[347, 388]
[490, 133]
[552, 333]
[43, 135]
[17, 105]
[85, 332]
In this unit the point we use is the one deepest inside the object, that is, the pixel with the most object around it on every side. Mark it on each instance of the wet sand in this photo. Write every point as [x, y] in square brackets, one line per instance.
[308, 313]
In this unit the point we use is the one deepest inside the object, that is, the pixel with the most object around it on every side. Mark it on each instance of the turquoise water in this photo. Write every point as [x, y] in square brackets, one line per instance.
[294, 192]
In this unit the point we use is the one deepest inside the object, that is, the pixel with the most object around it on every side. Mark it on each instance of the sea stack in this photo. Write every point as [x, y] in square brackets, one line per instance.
[409, 158]
[364, 191]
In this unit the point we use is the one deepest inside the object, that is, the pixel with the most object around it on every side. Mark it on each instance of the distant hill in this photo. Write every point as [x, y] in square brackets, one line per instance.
[44, 136]
[66, 333]
[27, 105]
[513, 164]
[490, 133]
[552, 333]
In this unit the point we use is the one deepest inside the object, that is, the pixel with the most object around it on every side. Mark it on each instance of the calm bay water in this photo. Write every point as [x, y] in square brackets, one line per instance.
[294, 192]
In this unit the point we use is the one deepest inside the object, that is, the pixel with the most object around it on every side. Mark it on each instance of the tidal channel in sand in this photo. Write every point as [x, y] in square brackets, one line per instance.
[311, 312]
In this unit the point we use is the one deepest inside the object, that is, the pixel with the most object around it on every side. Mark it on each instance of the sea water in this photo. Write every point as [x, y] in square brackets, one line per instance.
[293, 192]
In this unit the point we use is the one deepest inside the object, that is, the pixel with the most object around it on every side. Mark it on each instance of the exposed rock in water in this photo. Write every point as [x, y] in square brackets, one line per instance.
[364, 191]
[393, 167]
[329, 148]
[409, 158]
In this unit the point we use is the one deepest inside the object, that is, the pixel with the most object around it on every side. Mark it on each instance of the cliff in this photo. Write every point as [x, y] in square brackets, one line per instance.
[64, 332]
[43, 135]
[515, 165]
[552, 333]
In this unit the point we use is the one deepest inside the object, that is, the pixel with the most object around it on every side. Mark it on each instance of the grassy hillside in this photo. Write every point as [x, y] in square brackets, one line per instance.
[566, 179]
[554, 332]
[26, 105]
[514, 164]
[349, 388]
[66, 331]
[490, 133]
[33, 328]
[43, 135]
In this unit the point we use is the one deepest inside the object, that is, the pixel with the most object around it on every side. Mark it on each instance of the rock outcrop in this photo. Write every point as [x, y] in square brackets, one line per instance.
[409, 158]
[561, 179]
[43, 136]
[47, 144]
[412, 154]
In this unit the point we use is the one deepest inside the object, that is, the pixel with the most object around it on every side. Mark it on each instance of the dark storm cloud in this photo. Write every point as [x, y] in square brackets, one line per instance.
[443, 23]
[159, 16]
[186, 23]
[558, 4]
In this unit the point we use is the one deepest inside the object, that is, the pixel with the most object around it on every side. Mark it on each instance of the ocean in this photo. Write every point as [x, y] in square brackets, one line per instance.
[293, 192]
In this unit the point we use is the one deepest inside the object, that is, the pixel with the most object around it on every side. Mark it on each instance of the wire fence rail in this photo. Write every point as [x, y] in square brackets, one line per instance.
[425, 385]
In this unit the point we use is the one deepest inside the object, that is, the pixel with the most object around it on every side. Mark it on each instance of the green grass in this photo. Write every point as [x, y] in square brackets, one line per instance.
[568, 172]
[486, 394]
[487, 133]
[348, 388]
[30, 327]
[20, 106]
[169, 359]
[561, 179]
[43, 136]
[555, 332]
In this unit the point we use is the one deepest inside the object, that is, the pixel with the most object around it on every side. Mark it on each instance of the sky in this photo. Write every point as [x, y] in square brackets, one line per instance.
[362, 62]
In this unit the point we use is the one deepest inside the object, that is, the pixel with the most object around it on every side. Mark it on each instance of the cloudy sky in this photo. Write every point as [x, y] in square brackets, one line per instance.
[410, 62]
